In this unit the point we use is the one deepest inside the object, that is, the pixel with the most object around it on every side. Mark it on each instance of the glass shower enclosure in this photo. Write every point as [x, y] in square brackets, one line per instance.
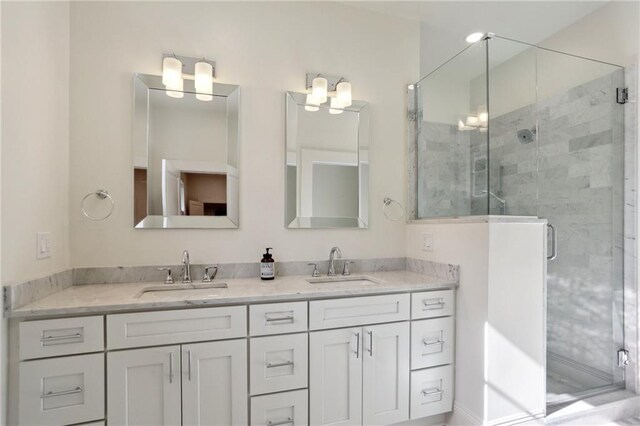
[509, 128]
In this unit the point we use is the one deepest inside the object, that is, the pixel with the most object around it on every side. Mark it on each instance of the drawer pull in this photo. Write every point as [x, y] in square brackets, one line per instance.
[279, 364]
[433, 342]
[51, 394]
[46, 339]
[433, 304]
[289, 421]
[170, 367]
[427, 393]
[288, 319]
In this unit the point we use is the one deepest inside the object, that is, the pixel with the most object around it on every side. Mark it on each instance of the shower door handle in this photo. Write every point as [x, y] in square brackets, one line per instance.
[554, 243]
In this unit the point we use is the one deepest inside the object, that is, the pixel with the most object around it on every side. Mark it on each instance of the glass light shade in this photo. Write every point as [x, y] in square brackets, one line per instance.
[475, 37]
[311, 103]
[176, 91]
[335, 104]
[203, 78]
[343, 93]
[483, 117]
[319, 89]
[171, 71]
[205, 98]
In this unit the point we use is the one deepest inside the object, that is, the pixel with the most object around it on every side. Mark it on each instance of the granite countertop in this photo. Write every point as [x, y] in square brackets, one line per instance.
[109, 298]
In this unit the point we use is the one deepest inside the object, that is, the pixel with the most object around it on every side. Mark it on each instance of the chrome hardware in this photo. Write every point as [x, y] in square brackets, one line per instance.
[623, 358]
[189, 365]
[554, 242]
[386, 203]
[358, 345]
[622, 95]
[433, 304]
[169, 278]
[279, 364]
[170, 367]
[289, 421]
[315, 272]
[102, 194]
[51, 394]
[345, 268]
[432, 392]
[288, 318]
[186, 268]
[433, 342]
[206, 278]
[370, 342]
[332, 269]
[46, 339]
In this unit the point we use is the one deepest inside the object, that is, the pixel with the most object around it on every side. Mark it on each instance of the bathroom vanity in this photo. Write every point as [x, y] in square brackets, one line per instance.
[360, 350]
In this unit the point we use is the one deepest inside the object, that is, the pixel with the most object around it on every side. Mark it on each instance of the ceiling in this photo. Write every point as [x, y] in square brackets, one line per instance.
[445, 24]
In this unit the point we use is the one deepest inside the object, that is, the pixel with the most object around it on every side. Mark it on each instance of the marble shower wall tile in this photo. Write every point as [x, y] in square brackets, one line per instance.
[435, 269]
[21, 294]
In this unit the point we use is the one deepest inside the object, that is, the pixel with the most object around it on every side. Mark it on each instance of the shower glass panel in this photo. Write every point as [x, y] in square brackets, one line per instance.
[509, 128]
[580, 191]
[451, 119]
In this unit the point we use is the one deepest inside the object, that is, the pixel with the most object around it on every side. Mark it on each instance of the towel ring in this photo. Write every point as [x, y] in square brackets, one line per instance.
[102, 194]
[386, 203]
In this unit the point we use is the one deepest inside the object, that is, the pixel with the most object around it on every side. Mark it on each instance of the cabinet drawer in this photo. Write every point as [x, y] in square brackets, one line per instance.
[431, 342]
[285, 409]
[169, 327]
[358, 311]
[432, 304]
[276, 318]
[48, 338]
[278, 363]
[431, 391]
[62, 391]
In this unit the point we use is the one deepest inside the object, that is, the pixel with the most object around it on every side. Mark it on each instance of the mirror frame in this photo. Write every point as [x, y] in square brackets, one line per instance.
[361, 108]
[232, 93]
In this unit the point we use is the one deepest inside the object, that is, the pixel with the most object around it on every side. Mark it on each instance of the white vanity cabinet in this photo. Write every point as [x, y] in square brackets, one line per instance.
[361, 361]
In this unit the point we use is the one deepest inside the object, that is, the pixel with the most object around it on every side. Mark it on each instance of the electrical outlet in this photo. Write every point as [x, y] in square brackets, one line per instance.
[43, 245]
[427, 242]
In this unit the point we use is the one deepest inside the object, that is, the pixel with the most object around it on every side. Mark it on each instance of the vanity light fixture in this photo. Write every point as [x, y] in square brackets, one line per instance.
[201, 70]
[204, 81]
[474, 37]
[321, 88]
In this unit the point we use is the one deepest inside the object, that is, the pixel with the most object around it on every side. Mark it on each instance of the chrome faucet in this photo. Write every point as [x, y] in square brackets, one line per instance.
[186, 268]
[332, 253]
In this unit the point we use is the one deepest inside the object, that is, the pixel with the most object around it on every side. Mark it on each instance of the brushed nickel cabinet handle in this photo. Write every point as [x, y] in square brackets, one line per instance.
[75, 336]
[279, 364]
[170, 367]
[51, 394]
[289, 421]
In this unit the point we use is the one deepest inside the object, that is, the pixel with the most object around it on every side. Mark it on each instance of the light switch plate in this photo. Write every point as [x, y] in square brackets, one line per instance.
[43, 245]
[427, 242]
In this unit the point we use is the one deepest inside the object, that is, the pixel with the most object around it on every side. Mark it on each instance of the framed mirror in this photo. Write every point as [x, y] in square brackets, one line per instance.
[327, 165]
[185, 156]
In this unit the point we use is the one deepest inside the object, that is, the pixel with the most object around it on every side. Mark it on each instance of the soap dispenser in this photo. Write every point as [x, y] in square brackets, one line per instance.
[267, 266]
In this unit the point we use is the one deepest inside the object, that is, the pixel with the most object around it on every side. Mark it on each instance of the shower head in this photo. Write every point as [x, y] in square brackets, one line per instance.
[526, 135]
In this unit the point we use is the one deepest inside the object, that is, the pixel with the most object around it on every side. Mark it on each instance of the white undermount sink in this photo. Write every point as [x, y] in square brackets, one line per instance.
[349, 279]
[168, 290]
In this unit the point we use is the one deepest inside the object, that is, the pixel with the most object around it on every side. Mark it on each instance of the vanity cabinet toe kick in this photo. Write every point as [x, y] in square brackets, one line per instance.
[263, 364]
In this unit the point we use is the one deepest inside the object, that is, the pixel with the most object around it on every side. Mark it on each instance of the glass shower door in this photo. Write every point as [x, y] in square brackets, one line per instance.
[580, 192]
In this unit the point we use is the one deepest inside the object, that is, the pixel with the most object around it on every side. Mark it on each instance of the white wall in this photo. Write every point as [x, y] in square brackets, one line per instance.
[266, 48]
[35, 137]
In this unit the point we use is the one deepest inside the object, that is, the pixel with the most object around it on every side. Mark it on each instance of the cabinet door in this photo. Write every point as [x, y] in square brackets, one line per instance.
[335, 378]
[214, 383]
[143, 386]
[385, 382]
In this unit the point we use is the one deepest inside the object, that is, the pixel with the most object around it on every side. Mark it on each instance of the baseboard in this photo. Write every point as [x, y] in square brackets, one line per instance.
[461, 416]
[588, 377]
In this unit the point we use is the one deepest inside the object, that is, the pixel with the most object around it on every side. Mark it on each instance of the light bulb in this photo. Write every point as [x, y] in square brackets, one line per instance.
[336, 106]
[311, 103]
[319, 89]
[472, 121]
[343, 93]
[204, 78]
[472, 38]
[483, 117]
[171, 71]
[176, 91]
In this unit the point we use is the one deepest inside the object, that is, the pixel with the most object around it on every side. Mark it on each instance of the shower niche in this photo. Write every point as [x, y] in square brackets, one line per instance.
[510, 128]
